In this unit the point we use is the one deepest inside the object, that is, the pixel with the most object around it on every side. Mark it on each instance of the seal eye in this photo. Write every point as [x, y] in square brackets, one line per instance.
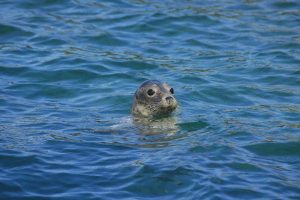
[172, 91]
[150, 92]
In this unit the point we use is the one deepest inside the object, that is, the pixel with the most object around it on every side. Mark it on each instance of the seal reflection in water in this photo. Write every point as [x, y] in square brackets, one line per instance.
[153, 99]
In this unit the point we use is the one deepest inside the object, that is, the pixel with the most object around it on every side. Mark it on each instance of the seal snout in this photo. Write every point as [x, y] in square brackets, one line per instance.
[170, 101]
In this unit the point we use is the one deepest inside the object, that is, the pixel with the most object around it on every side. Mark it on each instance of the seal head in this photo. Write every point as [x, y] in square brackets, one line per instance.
[153, 99]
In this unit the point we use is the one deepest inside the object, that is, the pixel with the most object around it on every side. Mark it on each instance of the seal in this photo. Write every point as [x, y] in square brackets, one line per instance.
[153, 99]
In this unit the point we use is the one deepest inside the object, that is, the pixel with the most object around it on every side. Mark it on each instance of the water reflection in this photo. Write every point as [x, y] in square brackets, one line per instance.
[140, 132]
[167, 126]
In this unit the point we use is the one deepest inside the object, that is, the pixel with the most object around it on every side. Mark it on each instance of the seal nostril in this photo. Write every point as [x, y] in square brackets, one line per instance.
[169, 98]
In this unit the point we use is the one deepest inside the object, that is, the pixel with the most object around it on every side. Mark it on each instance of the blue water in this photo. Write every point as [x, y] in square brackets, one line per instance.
[68, 72]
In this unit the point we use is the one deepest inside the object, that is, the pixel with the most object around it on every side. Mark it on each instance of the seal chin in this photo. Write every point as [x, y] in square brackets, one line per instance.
[141, 110]
[166, 109]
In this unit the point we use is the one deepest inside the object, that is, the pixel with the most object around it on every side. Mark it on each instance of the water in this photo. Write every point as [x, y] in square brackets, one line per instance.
[68, 73]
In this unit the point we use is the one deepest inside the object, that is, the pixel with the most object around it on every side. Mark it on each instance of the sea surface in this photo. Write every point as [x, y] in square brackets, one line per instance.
[68, 73]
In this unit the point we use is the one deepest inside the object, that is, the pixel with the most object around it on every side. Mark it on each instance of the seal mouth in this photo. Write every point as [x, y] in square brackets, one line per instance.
[167, 109]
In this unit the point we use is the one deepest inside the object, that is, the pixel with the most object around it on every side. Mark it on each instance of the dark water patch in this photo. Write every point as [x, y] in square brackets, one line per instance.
[107, 39]
[9, 160]
[131, 64]
[113, 76]
[242, 192]
[247, 167]
[193, 126]
[212, 55]
[42, 4]
[199, 43]
[77, 75]
[257, 93]
[224, 96]
[118, 101]
[198, 149]
[246, 6]
[12, 54]
[154, 50]
[116, 21]
[275, 149]
[279, 80]
[291, 45]
[142, 27]
[61, 61]
[279, 56]
[168, 21]
[41, 91]
[95, 68]
[8, 32]
[162, 184]
[286, 4]
[13, 71]
[173, 31]
[109, 149]
[49, 42]
[192, 80]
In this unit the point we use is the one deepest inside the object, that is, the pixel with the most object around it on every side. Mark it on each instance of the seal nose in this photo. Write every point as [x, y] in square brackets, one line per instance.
[169, 99]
